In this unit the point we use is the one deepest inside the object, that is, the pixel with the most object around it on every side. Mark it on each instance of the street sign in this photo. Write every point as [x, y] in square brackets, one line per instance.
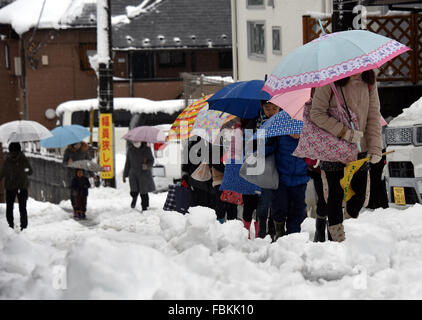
[106, 145]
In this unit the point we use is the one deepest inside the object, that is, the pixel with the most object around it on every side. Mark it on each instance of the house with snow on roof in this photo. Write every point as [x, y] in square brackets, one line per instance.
[46, 45]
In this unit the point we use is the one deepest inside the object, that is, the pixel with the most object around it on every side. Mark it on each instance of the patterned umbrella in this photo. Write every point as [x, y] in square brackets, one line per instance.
[85, 165]
[281, 124]
[208, 123]
[183, 125]
[332, 57]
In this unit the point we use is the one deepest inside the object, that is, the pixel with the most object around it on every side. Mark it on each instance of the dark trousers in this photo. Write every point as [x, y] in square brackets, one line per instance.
[10, 200]
[79, 203]
[250, 203]
[264, 203]
[144, 200]
[288, 205]
[336, 194]
[221, 207]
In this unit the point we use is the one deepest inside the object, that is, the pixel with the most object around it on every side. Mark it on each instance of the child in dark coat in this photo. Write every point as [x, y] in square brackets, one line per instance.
[79, 193]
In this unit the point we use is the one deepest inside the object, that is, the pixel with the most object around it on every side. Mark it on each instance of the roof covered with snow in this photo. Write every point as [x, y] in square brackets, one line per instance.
[136, 23]
[133, 105]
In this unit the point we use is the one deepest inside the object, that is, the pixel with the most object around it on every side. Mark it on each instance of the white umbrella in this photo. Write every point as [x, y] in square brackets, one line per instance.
[23, 131]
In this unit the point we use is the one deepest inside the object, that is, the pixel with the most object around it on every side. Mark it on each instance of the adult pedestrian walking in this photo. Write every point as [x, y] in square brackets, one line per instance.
[360, 95]
[15, 171]
[138, 167]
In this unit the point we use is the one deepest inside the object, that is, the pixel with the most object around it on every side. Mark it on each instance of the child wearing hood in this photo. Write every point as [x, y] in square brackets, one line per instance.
[15, 171]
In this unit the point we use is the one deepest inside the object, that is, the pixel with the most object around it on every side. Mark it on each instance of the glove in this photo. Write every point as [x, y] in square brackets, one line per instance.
[374, 158]
[124, 180]
[353, 136]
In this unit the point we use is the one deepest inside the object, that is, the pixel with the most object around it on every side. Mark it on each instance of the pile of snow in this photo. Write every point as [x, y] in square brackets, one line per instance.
[133, 105]
[410, 116]
[168, 255]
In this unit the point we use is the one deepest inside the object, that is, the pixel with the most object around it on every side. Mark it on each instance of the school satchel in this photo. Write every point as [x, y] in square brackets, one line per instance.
[183, 199]
[170, 204]
[316, 143]
[268, 179]
[232, 197]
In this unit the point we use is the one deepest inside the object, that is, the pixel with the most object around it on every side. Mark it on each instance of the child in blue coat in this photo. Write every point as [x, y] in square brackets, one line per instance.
[288, 201]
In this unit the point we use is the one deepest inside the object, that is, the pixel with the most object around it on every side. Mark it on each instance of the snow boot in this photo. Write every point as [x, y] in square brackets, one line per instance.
[134, 196]
[279, 229]
[247, 225]
[320, 223]
[262, 230]
[221, 220]
[337, 232]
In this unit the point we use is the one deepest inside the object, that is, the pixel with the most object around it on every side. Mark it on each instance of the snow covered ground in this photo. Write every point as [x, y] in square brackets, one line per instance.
[121, 253]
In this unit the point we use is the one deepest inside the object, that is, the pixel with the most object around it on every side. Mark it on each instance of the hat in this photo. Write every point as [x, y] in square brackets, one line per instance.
[14, 146]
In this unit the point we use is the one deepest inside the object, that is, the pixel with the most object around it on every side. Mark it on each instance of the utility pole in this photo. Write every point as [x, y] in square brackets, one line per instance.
[105, 93]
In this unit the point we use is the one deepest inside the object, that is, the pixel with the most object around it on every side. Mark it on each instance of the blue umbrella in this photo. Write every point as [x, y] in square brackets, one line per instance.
[240, 99]
[65, 135]
[281, 124]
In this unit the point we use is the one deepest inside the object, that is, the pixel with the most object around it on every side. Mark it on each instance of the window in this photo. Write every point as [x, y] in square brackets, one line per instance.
[225, 59]
[256, 40]
[171, 59]
[121, 118]
[6, 56]
[86, 49]
[255, 4]
[276, 31]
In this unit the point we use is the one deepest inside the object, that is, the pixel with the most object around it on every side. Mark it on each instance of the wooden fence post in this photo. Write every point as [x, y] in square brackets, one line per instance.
[306, 28]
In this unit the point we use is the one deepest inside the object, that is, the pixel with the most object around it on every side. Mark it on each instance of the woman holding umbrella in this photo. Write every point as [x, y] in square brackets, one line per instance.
[139, 162]
[360, 95]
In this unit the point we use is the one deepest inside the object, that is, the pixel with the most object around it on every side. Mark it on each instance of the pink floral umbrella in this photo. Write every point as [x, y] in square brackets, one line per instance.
[293, 102]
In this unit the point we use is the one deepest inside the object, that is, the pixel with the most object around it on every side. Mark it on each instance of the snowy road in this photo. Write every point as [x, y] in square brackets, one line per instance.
[126, 254]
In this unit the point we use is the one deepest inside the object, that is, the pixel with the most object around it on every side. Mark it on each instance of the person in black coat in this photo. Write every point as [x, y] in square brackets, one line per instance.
[79, 193]
[15, 170]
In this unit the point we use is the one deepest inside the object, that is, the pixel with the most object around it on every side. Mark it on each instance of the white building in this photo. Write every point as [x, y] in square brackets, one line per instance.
[263, 31]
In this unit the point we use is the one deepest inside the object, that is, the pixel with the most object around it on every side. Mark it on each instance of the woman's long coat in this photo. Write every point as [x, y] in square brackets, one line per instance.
[140, 180]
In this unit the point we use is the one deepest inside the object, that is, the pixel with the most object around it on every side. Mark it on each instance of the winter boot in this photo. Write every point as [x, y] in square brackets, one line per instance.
[337, 232]
[262, 231]
[320, 223]
[279, 229]
[247, 225]
[75, 214]
[134, 196]
[221, 220]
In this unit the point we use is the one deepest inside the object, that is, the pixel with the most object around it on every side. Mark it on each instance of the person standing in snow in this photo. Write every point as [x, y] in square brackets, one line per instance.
[360, 95]
[79, 191]
[288, 205]
[138, 167]
[15, 171]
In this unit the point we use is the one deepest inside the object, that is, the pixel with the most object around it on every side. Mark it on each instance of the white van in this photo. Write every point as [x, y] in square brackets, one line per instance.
[403, 172]
[130, 113]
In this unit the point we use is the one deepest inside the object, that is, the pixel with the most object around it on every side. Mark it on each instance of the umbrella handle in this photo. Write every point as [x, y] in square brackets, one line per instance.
[357, 143]
[322, 28]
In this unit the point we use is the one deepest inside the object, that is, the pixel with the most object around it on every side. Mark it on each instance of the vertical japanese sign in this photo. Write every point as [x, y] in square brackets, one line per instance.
[106, 145]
